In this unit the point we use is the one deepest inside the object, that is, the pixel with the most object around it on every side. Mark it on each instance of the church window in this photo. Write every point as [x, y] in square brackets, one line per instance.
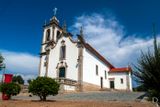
[121, 80]
[48, 35]
[62, 72]
[105, 74]
[62, 52]
[58, 35]
[96, 69]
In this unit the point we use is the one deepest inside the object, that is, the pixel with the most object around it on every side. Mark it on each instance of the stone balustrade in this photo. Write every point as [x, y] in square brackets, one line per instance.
[66, 81]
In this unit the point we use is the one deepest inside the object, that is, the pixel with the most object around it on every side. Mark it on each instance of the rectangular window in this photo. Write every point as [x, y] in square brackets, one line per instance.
[121, 81]
[105, 74]
[62, 52]
[96, 69]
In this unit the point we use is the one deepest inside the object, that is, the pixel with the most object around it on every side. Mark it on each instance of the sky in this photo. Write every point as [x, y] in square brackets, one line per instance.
[118, 29]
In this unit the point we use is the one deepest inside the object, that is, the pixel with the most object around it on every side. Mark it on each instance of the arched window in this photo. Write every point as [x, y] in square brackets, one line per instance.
[48, 35]
[62, 72]
[62, 52]
[58, 35]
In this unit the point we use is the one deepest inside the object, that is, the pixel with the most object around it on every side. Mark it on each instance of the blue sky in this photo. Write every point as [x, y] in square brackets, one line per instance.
[22, 20]
[120, 27]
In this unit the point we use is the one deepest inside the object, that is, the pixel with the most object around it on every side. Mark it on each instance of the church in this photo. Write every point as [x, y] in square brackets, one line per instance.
[76, 65]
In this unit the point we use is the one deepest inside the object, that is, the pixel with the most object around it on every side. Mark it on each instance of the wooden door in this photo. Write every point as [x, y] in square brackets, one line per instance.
[101, 82]
[112, 84]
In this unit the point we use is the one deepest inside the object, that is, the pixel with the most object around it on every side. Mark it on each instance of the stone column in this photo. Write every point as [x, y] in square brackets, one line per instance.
[80, 68]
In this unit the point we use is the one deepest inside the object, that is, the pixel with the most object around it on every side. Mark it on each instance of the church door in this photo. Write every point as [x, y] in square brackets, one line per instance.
[101, 82]
[112, 84]
[62, 72]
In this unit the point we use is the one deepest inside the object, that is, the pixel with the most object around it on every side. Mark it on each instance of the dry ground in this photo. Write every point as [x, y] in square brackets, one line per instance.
[29, 103]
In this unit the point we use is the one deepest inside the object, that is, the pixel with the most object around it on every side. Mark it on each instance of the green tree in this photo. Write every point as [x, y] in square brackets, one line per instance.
[147, 72]
[29, 81]
[43, 86]
[18, 79]
[140, 88]
[11, 89]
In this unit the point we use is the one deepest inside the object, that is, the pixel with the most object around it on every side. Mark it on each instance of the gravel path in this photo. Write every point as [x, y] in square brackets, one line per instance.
[95, 96]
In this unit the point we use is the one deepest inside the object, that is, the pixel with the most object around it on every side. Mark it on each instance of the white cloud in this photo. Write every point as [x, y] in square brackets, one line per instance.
[107, 36]
[24, 64]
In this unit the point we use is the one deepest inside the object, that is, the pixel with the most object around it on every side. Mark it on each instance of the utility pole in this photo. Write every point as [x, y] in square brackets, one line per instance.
[3, 72]
[2, 67]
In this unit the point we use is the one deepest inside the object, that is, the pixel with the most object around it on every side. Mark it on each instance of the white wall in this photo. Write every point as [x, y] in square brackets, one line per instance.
[42, 67]
[71, 59]
[130, 81]
[42, 59]
[117, 80]
[71, 56]
[89, 73]
[89, 69]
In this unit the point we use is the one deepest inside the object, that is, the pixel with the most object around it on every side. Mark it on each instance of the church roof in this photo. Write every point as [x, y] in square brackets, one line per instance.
[124, 69]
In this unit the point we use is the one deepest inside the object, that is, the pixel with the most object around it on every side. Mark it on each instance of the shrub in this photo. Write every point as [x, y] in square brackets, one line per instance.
[11, 89]
[43, 86]
[147, 71]
[18, 79]
[154, 93]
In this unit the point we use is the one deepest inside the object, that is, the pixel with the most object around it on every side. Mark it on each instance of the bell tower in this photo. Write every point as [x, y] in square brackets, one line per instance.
[51, 34]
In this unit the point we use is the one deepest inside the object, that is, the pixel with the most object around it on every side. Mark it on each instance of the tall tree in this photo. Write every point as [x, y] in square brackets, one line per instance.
[18, 79]
[43, 87]
[147, 71]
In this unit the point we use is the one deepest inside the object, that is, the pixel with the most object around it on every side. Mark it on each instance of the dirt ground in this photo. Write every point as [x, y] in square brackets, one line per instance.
[23, 103]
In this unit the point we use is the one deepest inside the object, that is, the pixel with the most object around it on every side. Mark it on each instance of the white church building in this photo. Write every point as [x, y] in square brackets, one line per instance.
[76, 65]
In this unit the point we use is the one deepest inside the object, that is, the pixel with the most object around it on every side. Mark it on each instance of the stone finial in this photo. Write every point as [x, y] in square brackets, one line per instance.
[64, 27]
[81, 36]
[45, 23]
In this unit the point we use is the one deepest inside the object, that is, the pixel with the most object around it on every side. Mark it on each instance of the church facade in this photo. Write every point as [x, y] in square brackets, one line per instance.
[76, 65]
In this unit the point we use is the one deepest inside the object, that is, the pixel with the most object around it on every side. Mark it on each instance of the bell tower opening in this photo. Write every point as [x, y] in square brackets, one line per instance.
[48, 35]
[58, 35]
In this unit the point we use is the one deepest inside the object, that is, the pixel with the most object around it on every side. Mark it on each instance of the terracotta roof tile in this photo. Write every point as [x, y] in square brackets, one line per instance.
[124, 69]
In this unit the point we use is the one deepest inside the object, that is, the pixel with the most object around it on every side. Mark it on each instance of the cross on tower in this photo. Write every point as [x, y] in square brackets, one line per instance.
[55, 11]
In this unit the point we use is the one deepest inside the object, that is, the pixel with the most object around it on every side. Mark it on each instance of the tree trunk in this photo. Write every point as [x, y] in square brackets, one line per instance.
[9, 96]
[44, 98]
[41, 98]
